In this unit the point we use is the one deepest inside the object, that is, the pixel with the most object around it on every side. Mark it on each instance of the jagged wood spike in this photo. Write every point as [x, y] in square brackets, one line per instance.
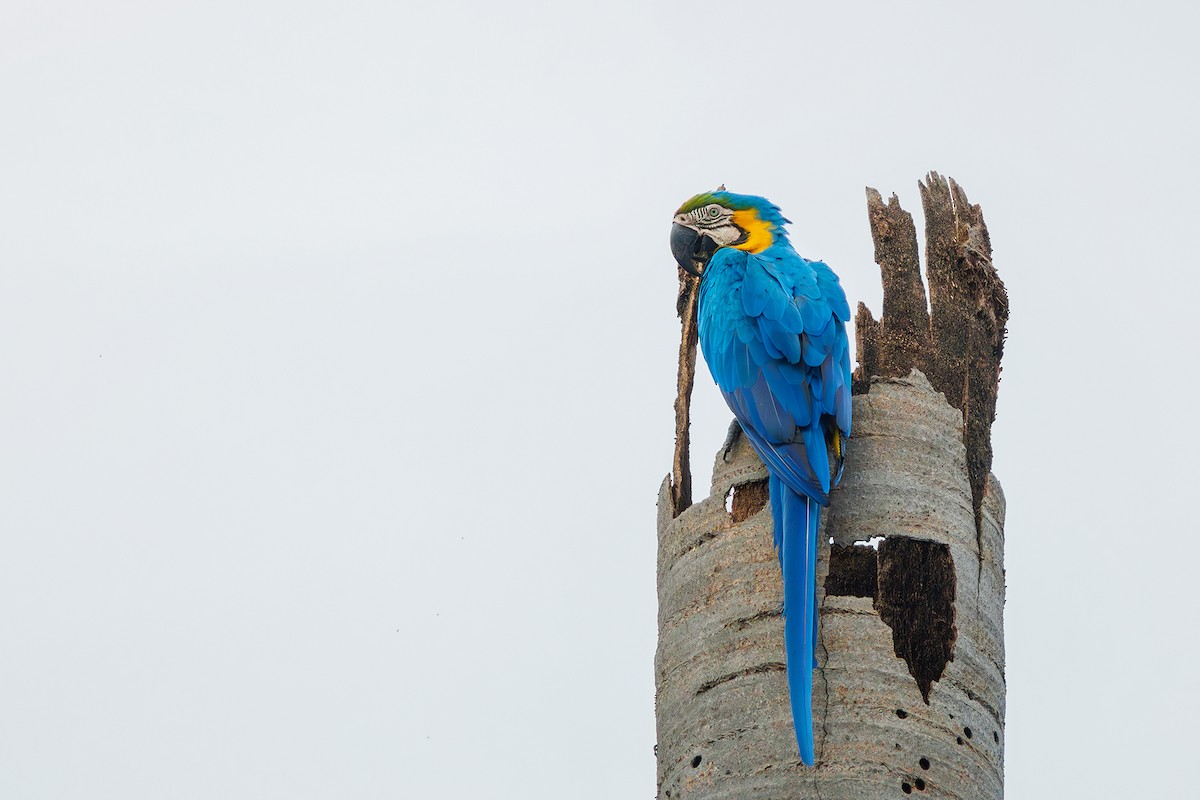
[903, 333]
[681, 469]
[866, 340]
[969, 312]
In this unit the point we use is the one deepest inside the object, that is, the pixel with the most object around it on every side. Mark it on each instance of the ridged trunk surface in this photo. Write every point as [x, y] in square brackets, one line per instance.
[724, 724]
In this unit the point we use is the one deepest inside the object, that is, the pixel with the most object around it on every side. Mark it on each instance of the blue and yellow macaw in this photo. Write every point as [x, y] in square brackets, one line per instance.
[773, 331]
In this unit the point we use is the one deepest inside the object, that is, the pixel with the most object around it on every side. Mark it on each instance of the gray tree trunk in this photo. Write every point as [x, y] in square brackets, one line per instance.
[909, 694]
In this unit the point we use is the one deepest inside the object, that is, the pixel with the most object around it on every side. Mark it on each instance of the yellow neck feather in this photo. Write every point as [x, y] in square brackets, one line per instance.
[758, 232]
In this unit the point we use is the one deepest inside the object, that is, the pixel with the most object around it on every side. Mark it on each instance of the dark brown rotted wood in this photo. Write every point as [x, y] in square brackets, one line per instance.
[915, 597]
[748, 499]
[901, 338]
[959, 340]
[681, 467]
[970, 312]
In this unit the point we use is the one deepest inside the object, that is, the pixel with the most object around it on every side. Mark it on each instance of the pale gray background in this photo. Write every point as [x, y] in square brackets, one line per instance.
[337, 356]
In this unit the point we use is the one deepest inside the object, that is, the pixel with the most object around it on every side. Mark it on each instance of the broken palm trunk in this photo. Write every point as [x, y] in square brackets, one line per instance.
[909, 693]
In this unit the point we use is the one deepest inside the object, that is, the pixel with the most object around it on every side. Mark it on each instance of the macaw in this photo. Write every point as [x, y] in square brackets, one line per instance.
[772, 327]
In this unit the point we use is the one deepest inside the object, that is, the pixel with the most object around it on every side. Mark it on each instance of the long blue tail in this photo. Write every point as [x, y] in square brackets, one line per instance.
[797, 518]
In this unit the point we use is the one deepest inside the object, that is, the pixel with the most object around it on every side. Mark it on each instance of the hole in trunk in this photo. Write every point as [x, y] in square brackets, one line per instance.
[747, 499]
[852, 571]
[915, 597]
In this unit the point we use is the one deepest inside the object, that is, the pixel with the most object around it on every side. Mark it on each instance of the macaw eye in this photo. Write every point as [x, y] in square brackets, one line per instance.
[714, 212]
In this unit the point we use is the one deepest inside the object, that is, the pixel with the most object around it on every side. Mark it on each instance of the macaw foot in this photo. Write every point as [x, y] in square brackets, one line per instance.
[735, 433]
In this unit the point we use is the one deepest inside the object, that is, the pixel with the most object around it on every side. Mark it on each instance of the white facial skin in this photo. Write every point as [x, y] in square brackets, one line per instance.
[714, 221]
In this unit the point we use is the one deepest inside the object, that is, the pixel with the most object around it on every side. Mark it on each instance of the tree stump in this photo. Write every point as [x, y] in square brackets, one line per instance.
[909, 692]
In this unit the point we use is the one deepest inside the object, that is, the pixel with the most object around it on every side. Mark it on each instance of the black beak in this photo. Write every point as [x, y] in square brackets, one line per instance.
[692, 250]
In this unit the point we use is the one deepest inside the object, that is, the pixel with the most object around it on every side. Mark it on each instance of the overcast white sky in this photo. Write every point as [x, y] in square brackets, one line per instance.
[338, 341]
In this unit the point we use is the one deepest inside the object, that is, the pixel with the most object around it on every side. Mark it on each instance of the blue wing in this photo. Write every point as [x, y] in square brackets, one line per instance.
[773, 332]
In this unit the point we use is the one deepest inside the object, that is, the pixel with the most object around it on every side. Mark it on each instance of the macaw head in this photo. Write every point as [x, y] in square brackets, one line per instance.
[712, 220]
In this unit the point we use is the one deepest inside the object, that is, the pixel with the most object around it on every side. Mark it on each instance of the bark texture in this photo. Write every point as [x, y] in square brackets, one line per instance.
[909, 694]
[681, 467]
